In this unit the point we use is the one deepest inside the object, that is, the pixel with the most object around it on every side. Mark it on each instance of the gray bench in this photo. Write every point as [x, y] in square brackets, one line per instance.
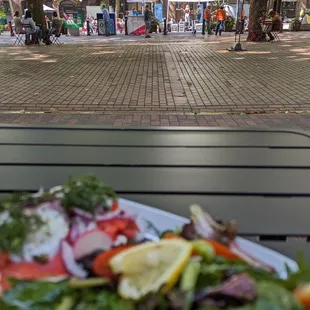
[261, 178]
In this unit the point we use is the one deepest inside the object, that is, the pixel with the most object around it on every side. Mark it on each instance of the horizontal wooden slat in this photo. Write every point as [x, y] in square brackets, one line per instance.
[130, 137]
[290, 249]
[157, 156]
[189, 180]
[254, 215]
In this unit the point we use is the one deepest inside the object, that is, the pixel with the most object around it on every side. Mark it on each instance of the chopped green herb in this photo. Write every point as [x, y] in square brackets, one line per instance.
[86, 193]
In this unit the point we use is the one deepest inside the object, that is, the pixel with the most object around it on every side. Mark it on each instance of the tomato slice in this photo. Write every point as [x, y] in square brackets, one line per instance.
[101, 263]
[34, 271]
[4, 260]
[119, 226]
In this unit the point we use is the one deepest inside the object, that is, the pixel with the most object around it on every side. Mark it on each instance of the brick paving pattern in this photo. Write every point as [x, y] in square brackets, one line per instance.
[167, 81]
[297, 122]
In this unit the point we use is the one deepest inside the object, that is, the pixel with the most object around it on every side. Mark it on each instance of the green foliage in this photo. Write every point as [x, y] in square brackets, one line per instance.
[104, 3]
[230, 22]
[2, 13]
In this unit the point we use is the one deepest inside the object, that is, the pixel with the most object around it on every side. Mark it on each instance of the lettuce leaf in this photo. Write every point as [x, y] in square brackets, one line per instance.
[35, 295]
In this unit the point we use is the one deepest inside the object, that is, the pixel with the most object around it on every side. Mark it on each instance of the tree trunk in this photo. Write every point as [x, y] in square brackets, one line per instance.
[117, 7]
[258, 10]
[38, 15]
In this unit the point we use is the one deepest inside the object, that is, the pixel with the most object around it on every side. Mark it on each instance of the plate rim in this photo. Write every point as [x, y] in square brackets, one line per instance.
[270, 252]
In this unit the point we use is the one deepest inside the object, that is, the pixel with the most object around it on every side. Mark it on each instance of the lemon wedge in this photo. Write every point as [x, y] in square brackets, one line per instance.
[150, 267]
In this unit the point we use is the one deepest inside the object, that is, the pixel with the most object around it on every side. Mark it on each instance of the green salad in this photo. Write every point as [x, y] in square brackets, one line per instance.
[73, 247]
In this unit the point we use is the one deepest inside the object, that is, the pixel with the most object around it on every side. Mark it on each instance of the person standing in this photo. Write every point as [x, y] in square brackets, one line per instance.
[199, 13]
[106, 19]
[147, 21]
[220, 18]
[207, 17]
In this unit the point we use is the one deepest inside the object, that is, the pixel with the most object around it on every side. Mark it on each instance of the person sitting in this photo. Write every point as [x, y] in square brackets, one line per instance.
[17, 22]
[276, 24]
[55, 28]
[33, 29]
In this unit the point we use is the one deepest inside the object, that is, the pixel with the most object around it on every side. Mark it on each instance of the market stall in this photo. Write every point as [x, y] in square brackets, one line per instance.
[135, 21]
[187, 16]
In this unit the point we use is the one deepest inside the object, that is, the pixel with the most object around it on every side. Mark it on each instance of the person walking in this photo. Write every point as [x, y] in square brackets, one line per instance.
[220, 18]
[147, 21]
[207, 16]
[106, 19]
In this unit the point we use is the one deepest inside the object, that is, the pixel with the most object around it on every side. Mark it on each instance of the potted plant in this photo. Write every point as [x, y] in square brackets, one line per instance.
[154, 24]
[296, 24]
[229, 24]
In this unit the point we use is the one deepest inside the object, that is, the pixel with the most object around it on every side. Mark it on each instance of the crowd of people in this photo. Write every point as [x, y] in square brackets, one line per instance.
[218, 16]
[33, 31]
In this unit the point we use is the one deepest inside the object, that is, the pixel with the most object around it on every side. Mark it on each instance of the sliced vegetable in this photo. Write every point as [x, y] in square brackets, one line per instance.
[248, 258]
[170, 235]
[86, 283]
[204, 249]
[90, 242]
[188, 283]
[115, 205]
[71, 265]
[119, 226]
[101, 265]
[35, 271]
[83, 214]
[222, 250]
[4, 260]
[4, 284]
[302, 294]
[66, 303]
[190, 276]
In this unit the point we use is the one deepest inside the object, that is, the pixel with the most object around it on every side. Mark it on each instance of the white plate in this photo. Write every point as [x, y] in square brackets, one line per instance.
[163, 220]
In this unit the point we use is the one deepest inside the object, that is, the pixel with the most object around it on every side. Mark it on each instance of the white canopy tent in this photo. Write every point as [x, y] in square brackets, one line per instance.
[47, 9]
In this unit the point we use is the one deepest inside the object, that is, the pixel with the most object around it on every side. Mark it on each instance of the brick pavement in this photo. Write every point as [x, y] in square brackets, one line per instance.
[288, 121]
[172, 80]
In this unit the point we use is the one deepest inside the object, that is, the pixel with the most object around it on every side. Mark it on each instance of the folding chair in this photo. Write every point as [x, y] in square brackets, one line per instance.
[19, 37]
[276, 36]
[55, 35]
[28, 32]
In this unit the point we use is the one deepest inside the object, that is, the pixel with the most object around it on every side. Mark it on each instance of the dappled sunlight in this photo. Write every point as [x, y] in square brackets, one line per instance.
[49, 61]
[257, 52]
[302, 59]
[299, 50]
[25, 59]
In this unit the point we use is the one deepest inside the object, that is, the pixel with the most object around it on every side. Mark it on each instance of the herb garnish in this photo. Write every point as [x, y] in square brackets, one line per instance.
[86, 193]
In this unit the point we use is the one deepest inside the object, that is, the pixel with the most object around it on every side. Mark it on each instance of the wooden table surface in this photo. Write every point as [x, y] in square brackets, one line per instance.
[261, 178]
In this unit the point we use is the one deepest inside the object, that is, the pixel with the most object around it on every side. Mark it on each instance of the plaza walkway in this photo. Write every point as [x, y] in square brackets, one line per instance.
[166, 81]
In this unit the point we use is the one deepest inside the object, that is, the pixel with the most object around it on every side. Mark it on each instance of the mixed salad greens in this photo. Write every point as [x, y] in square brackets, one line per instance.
[72, 247]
